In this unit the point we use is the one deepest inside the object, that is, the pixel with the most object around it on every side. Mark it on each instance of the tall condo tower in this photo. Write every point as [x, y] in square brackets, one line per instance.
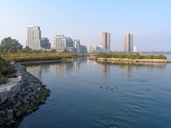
[128, 43]
[105, 40]
[63, 43]
[33, 37]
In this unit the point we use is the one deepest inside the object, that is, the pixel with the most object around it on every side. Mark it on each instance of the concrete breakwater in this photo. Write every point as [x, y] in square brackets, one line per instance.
[20, 96]
[126, 60]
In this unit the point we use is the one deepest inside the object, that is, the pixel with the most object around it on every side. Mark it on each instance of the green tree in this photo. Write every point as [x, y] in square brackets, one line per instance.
[27, 48]
[9, 44]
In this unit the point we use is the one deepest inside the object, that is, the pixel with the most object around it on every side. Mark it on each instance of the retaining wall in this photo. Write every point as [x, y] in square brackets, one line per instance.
[10, 89]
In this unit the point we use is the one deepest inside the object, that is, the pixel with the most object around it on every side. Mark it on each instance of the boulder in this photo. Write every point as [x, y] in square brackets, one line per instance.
[2, 121]
[18, 113]
[10, 115]
[29, 111]
[2, 114]
[3, 94]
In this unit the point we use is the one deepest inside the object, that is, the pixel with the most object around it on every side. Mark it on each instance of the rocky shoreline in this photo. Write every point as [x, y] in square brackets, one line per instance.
[135, 61]
[31, 95]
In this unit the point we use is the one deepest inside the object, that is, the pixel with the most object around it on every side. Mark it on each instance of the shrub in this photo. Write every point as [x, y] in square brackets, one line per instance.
[8, 71]
[102, 55]
[5, 69]
[130, 56]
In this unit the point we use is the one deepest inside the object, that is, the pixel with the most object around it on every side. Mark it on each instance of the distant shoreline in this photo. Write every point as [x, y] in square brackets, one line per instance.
[45, 61]
[130, 61]
[134, 61]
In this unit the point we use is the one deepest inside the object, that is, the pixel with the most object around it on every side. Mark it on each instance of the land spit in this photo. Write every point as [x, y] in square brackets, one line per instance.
[130, 61]
[46, 62]
[30, 94]
[135, 61]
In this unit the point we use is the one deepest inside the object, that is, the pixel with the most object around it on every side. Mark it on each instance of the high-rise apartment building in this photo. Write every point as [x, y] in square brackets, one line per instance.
[105, 40]
[33, 37]
[76, 44]
[63, 43]
[128, 43]
[58, 43]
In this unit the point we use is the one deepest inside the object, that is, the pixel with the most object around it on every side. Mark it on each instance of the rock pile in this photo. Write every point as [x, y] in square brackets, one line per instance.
[32, 94]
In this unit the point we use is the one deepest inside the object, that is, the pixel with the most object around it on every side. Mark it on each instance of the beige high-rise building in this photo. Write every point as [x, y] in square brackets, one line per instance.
[105, 40]
[128, 43]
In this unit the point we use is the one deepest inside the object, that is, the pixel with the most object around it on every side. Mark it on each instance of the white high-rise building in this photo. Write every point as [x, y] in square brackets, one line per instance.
[135, 48]
[91, 48]
[128, 43]
[58, 43]
[33, 37]
[62, 43]
[95, 49]
[77, 44]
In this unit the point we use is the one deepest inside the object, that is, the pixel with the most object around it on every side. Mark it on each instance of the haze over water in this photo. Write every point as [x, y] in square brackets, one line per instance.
[86, 94]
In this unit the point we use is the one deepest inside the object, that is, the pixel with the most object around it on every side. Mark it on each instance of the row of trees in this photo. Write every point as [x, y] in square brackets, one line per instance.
[10, 45]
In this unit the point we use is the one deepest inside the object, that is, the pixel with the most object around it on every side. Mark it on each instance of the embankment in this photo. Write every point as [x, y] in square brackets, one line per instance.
[20, 96]
[134, 61]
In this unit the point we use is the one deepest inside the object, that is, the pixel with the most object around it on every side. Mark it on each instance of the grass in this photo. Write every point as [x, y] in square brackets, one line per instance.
[130, 56]
[23, 57]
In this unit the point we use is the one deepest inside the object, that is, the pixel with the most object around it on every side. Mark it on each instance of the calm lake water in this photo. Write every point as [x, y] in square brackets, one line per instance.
[86, 94]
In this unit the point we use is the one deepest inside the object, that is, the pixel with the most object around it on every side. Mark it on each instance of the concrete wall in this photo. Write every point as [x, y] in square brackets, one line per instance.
[134, 61]
[10, 89]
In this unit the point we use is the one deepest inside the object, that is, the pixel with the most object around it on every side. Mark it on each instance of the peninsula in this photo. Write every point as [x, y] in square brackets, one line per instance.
[129, 58]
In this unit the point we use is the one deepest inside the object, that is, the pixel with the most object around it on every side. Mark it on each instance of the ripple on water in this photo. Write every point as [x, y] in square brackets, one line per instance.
[84, 98]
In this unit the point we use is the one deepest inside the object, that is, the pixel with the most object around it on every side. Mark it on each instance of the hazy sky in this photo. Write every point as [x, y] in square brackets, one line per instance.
[148, 20]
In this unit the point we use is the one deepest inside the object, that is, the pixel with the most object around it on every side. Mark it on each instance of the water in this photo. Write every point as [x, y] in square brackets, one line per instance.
[86, 94]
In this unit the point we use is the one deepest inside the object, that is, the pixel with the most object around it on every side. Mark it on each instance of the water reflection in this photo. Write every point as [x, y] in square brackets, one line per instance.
[60, 68]
[128, 69]
[105, 70]
[36, 70]
[93, 94]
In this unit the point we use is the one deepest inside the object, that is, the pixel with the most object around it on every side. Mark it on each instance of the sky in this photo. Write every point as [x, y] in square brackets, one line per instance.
[148, 20]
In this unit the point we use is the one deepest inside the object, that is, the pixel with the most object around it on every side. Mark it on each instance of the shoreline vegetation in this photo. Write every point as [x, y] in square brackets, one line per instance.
[6, 70]
[36, 56]
[129, 58]
[30, 58]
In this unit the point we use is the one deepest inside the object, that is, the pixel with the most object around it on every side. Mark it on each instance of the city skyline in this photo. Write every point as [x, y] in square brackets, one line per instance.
[149, 21]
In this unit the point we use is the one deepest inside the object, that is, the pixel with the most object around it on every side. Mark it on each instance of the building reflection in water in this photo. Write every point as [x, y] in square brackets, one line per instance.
[105, 69]
[127, 70]
[36, 70]
[62, 68]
